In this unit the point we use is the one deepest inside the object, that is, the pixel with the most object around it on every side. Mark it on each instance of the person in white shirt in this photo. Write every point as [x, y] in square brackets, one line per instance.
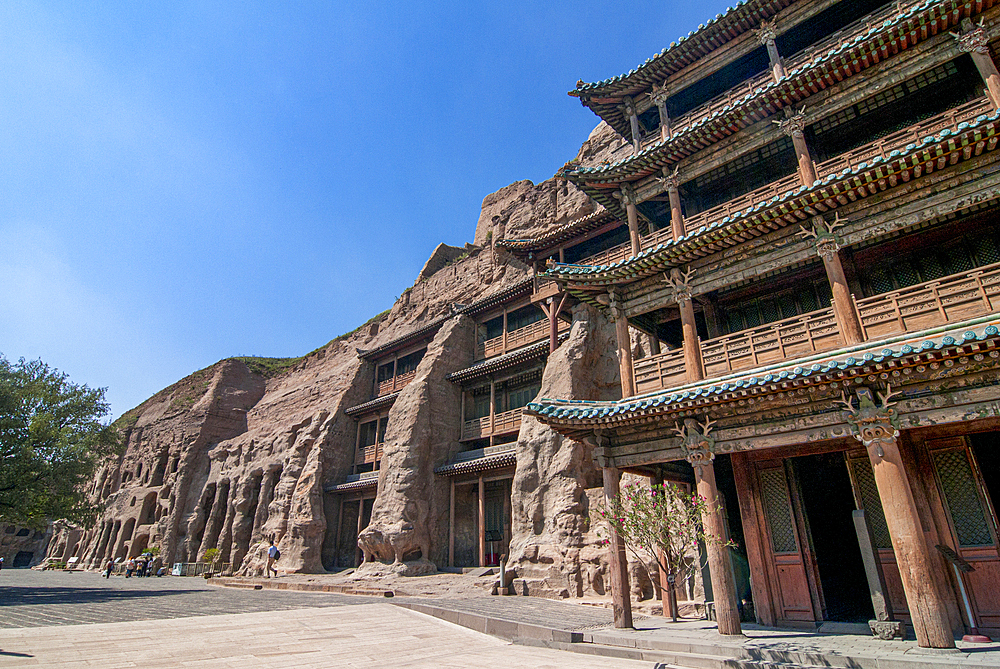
[272, 555]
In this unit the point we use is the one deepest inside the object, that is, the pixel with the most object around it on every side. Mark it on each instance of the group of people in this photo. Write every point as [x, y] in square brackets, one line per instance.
[141, 566]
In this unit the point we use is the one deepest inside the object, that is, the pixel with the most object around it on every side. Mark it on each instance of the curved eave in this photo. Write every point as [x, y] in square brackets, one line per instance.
[562, 233]
[426, 332]
[884, 40]
[372, 405]
[486, 463]
[522, 287]
[962, 340]
[360, 484]
[505, 361]
[793, 207]
[603, 97]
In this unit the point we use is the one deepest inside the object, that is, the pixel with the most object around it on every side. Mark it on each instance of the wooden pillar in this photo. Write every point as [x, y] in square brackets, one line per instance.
[793, 125]
[617, 562]
[505, 329]
[493, 405]
[552, 310]
[358, 556]
[975, 42]
[658, 97]
[451, 524]
[624, 342]
[720, 566]
[828, 247]
[766, 35]
[340, 528]
[877, 428]
[482, 522]
[693, 363]
[628, 109]
[626, 195]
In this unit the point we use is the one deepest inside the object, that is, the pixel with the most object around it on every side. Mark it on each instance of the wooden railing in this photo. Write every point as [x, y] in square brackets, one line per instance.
[900, 139]
[396, 383]
[370, 454]
[931, 304]
[508, 421]
[660, 371]
[529, 334]
[883, 147]
[789, 338]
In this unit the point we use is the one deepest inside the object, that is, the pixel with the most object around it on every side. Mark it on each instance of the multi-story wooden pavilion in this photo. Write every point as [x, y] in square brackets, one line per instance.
[811, 194]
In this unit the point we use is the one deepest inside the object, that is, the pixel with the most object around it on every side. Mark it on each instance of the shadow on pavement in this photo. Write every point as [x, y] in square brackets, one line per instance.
[24, 595]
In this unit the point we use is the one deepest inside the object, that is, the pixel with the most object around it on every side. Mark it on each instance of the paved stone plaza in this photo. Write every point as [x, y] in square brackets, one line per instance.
[81, 620]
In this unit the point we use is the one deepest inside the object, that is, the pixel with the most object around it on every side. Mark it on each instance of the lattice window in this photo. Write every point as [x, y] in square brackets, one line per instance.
[786, 303]
[778, 510]
[930, 268]
[833, 120]
[881, 99]
[769, 311]
[906, 274]
[925, 79]
[864, 478]
[958, 259]
[958, 484]
[986, 251]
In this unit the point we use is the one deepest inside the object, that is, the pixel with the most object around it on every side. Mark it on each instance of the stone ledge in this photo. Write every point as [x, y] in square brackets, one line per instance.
[278, 584]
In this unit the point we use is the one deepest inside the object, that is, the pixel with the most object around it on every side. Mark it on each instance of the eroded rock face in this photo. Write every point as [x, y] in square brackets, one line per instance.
[556, 482]
[424, 426]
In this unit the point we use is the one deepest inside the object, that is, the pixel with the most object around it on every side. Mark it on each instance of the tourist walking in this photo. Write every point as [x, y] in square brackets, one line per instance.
[272, 554]
[110, 568]
[129, 567]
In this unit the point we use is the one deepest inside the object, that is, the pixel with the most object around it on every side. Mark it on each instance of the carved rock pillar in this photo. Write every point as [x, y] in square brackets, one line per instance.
[794, 125]
[628, 108]
[693, 362]
[878, 429]
[617, 561]
[975, 42]
[624, 345]
[766, 35]
[828, 247]
[698, 449]
[627, 197]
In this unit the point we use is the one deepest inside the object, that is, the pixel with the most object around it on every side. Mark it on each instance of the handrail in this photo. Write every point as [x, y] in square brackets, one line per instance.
[884, 146]
[523, 336]
[507, 421]
[396, 383]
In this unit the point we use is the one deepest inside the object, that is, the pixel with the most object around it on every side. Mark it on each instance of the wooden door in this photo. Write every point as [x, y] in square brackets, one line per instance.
[971, 523]
[867, 499]
[782, 546]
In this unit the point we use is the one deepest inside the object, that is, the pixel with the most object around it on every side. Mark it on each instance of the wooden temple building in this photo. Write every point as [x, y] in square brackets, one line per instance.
[514, 336]
[802, 223]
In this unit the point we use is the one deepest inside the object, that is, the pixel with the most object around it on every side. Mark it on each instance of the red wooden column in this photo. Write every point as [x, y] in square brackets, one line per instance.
[617, 561]
[828, 247]
[766, 35]
[628, 109]
[975, 42]
[627, 197]
[672, 182]
[698, 447]
[482, 522]
[877, 427]
[659, 97]
[552, 309]
[794, 125]
[693, 362]
[624, 342]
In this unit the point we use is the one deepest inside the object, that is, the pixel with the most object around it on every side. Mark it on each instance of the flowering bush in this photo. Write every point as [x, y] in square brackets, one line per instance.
[662, 521]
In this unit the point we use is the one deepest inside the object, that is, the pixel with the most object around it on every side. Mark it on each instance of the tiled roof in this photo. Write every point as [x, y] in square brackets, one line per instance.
[522, 287]
[761, 381]
[420, 333]
[913, 24]
[536, 350]
[708, 37]
[488, 460]
[568, 230]
[356, 482]
[372, 405]
[785, 209]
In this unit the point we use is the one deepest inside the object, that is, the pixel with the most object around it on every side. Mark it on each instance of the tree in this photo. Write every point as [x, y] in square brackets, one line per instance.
[51, 440]
[662, 523]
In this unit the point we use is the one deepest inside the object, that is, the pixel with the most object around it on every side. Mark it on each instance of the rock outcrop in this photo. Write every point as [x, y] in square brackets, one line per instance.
[242, 452]
[556, 482]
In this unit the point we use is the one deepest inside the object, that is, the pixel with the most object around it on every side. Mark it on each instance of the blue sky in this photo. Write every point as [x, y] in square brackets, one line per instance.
[187, 181]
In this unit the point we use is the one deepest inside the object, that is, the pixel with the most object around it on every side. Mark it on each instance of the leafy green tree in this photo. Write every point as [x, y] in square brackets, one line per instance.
[51, 440]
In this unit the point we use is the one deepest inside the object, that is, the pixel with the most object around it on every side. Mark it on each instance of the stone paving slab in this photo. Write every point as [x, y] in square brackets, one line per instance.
[36, 599]
[362, 636]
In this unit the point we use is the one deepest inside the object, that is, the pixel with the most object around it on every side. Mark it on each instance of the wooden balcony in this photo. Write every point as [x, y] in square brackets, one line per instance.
[795, 337]
[515, 339]
[954, 298]
[791, 65]
[395, 384]
[923, 306]
[370, 454]
[883, 147]
[501, 423]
